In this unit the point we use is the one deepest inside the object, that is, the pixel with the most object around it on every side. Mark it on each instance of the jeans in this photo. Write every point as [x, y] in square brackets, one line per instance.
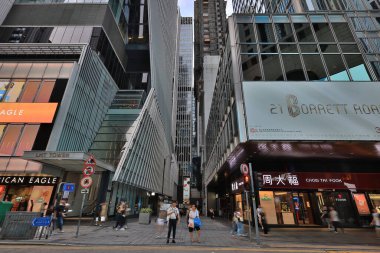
[60, 222]
[240, 228]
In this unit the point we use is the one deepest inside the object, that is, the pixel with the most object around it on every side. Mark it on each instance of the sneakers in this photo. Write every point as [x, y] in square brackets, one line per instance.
[117, 229]
[122, 229]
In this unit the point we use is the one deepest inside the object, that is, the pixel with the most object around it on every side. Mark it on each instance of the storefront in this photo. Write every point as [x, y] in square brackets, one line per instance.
[240, 199]
[27, 193]
[297, 198]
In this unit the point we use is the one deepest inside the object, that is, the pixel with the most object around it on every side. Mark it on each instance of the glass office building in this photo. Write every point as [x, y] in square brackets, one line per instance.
[293, 93]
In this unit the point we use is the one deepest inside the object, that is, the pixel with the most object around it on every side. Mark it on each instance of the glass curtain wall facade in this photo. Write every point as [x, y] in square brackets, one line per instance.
[184, 128]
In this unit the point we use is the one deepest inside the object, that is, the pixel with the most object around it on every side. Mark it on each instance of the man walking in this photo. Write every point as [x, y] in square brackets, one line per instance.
[173, 218]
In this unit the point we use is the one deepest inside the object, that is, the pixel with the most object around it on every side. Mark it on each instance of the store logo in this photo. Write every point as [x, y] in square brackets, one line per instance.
[27, 112]
[293, 108]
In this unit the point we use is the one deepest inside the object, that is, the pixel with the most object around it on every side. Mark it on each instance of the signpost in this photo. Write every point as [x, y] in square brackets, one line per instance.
[86, 182]
[254, 205]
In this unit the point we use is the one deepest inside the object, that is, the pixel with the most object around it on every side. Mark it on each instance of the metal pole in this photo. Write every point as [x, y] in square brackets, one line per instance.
[254, 205]
[80, 215]
[249, 218]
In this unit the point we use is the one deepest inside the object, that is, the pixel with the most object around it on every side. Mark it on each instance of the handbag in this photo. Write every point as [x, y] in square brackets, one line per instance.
[197, 222]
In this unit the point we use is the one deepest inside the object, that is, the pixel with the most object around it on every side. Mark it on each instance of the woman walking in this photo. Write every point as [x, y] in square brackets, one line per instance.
[194, 213]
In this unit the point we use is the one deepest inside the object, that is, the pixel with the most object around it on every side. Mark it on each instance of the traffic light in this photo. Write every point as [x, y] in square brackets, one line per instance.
[246, 182]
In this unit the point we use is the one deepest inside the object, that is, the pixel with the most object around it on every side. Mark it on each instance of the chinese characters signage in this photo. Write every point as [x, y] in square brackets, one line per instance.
[27, 112]
[322, 180]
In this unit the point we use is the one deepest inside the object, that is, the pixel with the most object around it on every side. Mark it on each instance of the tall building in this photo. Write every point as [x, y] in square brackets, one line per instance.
[295, 99]
[363, 17]
[184, 135]
[88, 78]
[209, 32]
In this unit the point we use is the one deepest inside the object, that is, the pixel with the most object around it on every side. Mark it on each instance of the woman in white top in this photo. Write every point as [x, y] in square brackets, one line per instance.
[334, 218]
[192, 214]
[376, 222]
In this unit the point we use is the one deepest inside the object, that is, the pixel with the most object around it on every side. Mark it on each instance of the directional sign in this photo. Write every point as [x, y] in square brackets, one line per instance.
[69, 187]
[41, 222]
[85, 191]
[88, 170]
[86, 182]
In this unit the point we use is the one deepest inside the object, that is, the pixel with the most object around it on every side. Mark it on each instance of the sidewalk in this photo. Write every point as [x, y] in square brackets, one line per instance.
[214, 233]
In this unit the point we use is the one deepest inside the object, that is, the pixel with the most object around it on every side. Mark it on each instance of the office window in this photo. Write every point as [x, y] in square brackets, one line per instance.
[272, 67]
[246, 33]
[30, 91]
[45, 92]
[356, 67]
[265, 33]
[336, 67]
[293, 67]
[314, 67]
[27, 139]
[284, 32]
[323, 32]
[251, 67]
[343, 32]
[303, 32]
[10, 139]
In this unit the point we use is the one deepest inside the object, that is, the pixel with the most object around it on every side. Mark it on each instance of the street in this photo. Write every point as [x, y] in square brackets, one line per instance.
[215, 237]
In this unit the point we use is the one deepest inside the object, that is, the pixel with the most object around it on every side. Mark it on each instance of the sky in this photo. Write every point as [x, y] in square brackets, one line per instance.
[187, 7]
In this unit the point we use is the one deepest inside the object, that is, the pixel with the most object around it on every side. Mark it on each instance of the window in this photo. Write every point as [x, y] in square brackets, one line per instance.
[10, 139]
[293, 67]
[323, 32]
[336, 67]
[303, 32]
[14, 90]
[30, 91]
[251, 67]
[27, 139]
[357, 68]
[246, 33]
[314, 67]
[272, 67]
[265, 33]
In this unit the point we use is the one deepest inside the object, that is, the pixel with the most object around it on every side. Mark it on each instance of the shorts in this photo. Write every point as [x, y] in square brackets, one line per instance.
[195, 228]
[160, 221]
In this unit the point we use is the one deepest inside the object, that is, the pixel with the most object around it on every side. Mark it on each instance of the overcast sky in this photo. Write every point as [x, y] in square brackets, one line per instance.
[187, 7]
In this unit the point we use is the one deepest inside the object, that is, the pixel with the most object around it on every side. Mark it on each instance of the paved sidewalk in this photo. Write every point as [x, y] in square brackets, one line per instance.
[214, 234]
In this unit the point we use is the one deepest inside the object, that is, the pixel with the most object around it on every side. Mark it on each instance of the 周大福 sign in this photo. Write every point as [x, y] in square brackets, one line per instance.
[27, 112]
[321, 180]
[28, 180]
[312, 111]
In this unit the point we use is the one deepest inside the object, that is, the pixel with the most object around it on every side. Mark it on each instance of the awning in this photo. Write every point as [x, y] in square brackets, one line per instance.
[68, 161]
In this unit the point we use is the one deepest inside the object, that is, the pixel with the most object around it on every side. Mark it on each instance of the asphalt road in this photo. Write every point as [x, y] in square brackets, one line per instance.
[159, 249]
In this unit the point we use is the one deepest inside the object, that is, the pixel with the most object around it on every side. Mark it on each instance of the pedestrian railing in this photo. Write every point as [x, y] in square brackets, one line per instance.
[18, 226]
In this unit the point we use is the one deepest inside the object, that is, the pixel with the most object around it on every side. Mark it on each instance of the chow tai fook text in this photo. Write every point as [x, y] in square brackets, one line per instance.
[312, 180]
[28, 180]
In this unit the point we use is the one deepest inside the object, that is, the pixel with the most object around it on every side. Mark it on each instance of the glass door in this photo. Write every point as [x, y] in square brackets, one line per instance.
[303, 208]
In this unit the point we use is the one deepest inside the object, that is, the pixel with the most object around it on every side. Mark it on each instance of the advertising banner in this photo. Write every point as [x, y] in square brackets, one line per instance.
[361, 204]
[312, 110]
[27, 112]
[318, 180]
[186, 190]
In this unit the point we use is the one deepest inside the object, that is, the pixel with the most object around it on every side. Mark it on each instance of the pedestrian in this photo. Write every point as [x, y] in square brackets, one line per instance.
[60, 213]
[212, 213]
[120, 216]
[334, 218]
[193, 214]
[160, 222]
[31, 205]
[264, 223]
[234, 224]
[173, 219]
[239, 222]
[376, 222]
[43, 209]
[97, 219]
[325, 216]
[259, 212]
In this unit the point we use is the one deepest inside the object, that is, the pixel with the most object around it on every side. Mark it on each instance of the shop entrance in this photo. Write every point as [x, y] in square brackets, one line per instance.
[303, 208]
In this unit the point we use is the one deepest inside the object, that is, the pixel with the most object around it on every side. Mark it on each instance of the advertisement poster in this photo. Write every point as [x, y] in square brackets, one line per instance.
[361, 204]
[186, 190]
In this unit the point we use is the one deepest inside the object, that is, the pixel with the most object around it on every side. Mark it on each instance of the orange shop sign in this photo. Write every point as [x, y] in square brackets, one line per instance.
[27, 112]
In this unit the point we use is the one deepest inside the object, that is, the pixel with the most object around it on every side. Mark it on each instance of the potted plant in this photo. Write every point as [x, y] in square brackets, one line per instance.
[144, 215]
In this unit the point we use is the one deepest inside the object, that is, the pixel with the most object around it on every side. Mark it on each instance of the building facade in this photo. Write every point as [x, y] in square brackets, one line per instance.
[298, 89]
[83, 84]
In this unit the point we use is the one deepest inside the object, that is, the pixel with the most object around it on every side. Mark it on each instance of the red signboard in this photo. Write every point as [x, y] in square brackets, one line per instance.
[361, 204]
[321, 180]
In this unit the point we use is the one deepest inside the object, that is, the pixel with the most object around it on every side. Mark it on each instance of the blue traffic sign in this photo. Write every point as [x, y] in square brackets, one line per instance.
[41, 222]
[69, 187]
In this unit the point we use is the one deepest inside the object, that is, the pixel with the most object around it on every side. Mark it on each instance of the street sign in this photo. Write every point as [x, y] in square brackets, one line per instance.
[88, 169]
[41, 222]
[86, 182]
[244, 169]
[69, 187]
[90, 160]
[85, 191]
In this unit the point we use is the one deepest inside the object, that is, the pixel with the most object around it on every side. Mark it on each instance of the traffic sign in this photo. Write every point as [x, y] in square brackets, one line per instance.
[86, 182]
[90, 160]
[85, 191]
[41, 222]
[88, 170]
[244, 169]
[69, 187]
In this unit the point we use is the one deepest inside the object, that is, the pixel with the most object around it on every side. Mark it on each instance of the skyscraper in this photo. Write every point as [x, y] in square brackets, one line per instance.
[184, 135]
[93, 77]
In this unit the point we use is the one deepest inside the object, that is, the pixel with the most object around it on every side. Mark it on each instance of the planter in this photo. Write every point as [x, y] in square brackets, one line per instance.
[144, 218]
